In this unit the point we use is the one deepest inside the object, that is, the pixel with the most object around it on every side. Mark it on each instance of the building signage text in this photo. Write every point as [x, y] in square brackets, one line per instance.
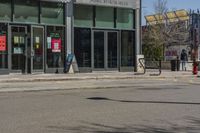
[114, 3]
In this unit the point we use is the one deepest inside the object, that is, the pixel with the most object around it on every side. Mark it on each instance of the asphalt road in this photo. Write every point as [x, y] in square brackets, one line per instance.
[150, 106]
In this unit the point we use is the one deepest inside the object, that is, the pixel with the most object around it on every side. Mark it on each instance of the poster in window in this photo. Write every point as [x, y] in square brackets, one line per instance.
[21, 40]
[37, 39]
[37, 46]
[2, 42]
[56, 45]
[16, 39]
[49, 42]
[18, 50]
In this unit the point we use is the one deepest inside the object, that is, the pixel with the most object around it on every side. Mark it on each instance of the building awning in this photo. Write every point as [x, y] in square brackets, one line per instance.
[172, 16]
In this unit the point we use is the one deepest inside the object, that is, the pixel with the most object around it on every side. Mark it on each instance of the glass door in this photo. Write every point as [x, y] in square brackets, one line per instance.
[112, 50]
[18, 49]
[105, 50]
[37, 49]
[99, 49]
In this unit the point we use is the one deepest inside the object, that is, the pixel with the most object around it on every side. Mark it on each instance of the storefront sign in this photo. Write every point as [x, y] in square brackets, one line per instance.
[114, 3]
[56, 45]
[68, 62]
[63, 1]
[2, 42]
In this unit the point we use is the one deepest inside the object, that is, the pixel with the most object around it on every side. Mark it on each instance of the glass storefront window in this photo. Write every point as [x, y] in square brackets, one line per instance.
[127, 49]
[55, 47]
[105, 17]
[125, 18]
[83, 16]
[26, 11]
[18, 46]
[3, 47]
[82, 46]
[5, 10]
[52, 13]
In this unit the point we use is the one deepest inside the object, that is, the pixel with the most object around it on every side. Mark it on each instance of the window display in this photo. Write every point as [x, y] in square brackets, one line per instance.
[3, 42]
[55, 47]
[3, 47]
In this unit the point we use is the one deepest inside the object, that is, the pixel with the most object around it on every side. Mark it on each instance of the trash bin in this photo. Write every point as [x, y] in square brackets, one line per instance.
[173, 65]
[178, 65]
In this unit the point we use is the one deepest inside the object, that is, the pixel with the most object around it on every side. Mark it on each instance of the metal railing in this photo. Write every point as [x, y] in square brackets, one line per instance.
[150, 64]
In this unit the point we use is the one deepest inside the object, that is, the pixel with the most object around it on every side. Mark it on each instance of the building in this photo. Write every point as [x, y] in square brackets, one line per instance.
[36, 36]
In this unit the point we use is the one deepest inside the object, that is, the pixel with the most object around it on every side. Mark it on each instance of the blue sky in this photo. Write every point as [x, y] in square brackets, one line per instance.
[147, 6]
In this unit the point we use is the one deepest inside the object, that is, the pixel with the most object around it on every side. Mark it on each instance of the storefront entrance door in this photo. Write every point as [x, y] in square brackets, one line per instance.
[105, 50]
[27, 49]
[37, 49]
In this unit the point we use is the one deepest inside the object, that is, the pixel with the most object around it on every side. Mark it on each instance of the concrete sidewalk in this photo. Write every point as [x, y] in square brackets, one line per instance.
[92, 76]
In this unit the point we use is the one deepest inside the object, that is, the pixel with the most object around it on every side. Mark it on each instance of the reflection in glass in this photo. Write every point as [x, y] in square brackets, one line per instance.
[52, 13]
[5, 10]
[26, 11]
[105, 17]
[38, 48]
[55, 47]
[82, 46]
[112, 49]
[83, 16]
[128, 49]
[4, 47]
[125, 18]
[98, 49]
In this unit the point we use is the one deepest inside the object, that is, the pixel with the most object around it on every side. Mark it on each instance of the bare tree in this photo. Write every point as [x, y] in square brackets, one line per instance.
[160, 6]
[164, 32]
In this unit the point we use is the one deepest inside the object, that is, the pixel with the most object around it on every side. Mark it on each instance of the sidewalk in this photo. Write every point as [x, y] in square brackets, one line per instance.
[92, 76]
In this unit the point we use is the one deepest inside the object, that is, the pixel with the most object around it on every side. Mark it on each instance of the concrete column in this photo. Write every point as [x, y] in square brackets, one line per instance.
[138, 31]
[69, 27]
[9, 48]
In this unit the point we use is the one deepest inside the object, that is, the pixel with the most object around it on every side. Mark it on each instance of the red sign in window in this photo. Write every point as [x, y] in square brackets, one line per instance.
[56, 45]
[2, 42]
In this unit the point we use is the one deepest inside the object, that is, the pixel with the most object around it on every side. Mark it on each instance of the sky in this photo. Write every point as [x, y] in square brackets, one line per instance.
[147, 6]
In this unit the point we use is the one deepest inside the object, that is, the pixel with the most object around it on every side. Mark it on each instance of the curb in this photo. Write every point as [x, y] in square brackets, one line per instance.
[16, 90]
[64, 89]
[95, 78]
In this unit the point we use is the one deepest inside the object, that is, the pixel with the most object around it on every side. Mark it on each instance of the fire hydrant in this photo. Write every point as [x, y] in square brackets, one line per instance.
[195, 68]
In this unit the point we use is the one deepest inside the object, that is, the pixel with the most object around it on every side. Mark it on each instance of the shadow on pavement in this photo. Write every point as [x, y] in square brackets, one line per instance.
[145, 102]
[193, 126]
